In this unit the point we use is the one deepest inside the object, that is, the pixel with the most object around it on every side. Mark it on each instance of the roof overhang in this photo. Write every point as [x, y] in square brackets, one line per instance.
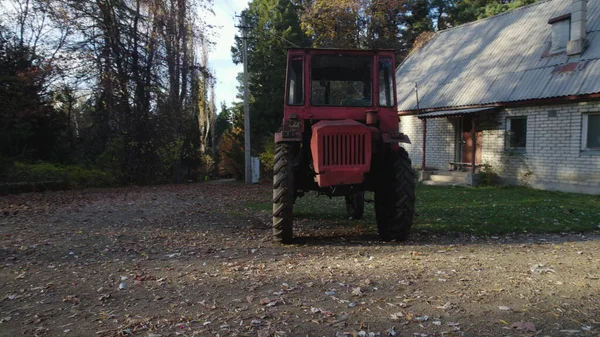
[457, 113]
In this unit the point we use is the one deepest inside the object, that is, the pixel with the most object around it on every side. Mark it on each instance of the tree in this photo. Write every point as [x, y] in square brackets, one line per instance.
[223, 123]
[29, 126]
[138, 61]
[231, 144]
[383, 24]
[275, 27]
[334, 24]
[464, 11]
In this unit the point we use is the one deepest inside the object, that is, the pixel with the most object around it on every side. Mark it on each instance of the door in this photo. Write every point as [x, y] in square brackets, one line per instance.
[467, 141]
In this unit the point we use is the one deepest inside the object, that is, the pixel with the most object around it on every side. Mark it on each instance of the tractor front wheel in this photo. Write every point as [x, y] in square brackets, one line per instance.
[395, 197]
[283, 193]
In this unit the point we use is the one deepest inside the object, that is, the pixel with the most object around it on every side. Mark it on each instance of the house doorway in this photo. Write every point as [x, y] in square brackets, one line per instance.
[466, 141]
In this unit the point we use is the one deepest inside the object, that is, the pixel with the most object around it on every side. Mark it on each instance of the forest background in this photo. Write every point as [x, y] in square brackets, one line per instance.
[120, 92]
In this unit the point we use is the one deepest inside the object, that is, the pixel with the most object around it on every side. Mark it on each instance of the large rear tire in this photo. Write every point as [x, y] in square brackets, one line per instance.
[355, 205]
[283, 193]
[395, 197]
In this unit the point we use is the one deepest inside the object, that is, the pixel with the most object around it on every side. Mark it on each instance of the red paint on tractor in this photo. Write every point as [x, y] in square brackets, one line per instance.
[341, 152]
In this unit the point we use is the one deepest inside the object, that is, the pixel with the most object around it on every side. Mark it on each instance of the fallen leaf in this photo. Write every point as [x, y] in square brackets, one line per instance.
[422, 318]
[446, 306]
[527, 326]
[570, 332]
[357, 292]
[541, 269]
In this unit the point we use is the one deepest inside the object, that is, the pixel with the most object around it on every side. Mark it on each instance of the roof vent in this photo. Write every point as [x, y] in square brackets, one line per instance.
[578, 42]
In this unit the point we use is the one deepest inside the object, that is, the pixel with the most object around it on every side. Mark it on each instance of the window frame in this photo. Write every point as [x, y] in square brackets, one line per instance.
[390, 86]
[302, 86]
[584, 132]
[508, 131]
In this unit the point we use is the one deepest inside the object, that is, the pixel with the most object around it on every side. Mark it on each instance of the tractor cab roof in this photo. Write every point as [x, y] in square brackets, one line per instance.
[338, 50]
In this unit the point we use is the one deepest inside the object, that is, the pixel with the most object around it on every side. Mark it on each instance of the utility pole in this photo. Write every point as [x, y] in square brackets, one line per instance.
[248, 166]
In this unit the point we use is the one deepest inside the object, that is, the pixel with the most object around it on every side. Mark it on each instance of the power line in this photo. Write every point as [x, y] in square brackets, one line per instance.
[284, 39]
[230, 7]
[228, 11]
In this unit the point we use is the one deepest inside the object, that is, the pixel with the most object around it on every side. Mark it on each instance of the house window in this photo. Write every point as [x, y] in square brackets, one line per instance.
[517, 132]
[561, 30]
[591, 132]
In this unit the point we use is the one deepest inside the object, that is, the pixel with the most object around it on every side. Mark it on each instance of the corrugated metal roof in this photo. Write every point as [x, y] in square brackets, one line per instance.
[500, 59]
[454, 113]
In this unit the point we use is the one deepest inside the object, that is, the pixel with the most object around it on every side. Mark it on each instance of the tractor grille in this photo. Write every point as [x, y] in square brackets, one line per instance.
[343, 149]
[341, 152]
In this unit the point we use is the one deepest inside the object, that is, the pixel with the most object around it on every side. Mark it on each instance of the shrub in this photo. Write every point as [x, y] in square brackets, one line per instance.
[22, 177]
[267, 158]
[231, 154]
[488, 177]
[82, 178]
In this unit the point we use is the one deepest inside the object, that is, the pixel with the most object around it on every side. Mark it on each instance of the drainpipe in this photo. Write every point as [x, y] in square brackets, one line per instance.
[473, 135]
[423, 160]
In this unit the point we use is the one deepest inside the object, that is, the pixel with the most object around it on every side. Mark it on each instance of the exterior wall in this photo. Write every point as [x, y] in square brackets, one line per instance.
[552, 158]
[441, 140]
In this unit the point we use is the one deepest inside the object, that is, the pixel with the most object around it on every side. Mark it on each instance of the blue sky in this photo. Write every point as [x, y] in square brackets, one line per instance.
[220, 56]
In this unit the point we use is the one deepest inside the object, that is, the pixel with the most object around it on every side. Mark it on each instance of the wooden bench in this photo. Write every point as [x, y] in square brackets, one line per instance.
[455, 166]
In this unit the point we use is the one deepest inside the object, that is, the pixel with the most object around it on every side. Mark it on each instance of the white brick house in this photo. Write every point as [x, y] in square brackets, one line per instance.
[528, 80]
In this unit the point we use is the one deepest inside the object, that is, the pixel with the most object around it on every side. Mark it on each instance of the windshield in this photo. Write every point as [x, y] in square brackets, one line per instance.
[341, 80]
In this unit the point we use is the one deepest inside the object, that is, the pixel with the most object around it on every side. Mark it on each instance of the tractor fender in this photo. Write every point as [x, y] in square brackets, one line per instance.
[395, 137]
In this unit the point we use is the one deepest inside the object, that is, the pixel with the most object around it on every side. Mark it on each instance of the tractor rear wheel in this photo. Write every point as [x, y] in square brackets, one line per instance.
[395, 197]
[355, 205]
[283, 193]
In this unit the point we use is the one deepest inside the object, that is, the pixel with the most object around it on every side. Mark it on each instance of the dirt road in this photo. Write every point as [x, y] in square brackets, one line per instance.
[190, 261]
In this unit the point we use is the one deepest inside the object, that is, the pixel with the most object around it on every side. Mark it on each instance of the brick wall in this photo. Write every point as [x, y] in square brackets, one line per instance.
[441, 140]
[552, 158]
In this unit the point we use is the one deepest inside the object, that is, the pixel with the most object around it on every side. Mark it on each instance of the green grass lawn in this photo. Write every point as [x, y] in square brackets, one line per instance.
[483, 210]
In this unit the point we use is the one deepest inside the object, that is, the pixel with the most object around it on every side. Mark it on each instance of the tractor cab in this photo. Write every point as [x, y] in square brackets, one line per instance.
[340, 84]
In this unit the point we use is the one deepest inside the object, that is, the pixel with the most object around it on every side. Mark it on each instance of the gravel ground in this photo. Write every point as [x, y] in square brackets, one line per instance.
[189, 260]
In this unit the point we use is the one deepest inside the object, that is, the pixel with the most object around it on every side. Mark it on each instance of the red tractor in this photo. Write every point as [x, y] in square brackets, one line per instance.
[340, 137]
